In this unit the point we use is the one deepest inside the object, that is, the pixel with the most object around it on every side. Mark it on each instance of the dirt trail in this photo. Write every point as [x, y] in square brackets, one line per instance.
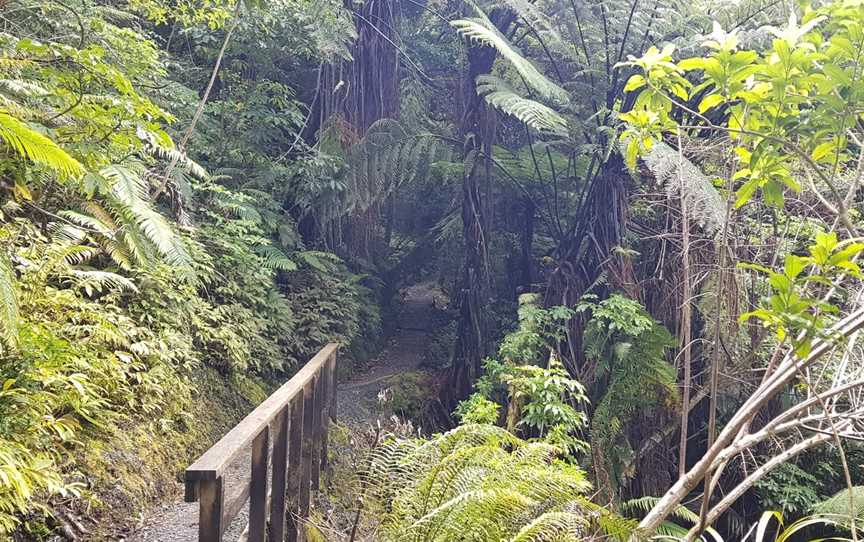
[358, 397]
[357, 402]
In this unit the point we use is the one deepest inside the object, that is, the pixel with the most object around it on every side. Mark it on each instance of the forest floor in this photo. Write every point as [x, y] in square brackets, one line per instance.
[359, 409]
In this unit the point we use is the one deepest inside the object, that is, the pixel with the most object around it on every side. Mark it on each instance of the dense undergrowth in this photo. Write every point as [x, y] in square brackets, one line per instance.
[149, 301]
[644, 215]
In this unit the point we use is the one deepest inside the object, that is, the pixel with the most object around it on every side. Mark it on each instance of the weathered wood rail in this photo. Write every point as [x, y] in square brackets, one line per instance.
[283, 475]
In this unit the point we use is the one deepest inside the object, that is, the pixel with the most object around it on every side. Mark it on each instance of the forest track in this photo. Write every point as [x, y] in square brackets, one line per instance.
[358, 409]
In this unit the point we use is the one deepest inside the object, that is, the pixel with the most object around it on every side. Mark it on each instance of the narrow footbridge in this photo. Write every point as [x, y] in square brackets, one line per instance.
[287, 438]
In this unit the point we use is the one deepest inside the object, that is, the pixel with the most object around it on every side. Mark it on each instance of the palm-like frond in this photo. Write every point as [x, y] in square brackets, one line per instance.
[36, 147]
[130, 190]
[386, 158]
[481, 30]
[552, 527]
[194, 169]
[501, 95]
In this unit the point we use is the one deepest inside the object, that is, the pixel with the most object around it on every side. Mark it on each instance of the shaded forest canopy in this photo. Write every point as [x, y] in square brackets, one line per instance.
[642, 217]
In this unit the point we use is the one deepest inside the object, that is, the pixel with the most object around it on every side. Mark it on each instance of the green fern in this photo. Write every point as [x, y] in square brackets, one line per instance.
[387, 158]
[274, 258]
[839, 505]
[126, 225]
[477, 482]
[481, 30]
[130, 190]
[37, 148]
[501, 95]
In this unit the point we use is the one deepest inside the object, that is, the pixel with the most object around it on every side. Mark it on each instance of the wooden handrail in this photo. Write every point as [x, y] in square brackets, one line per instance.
[295, 417]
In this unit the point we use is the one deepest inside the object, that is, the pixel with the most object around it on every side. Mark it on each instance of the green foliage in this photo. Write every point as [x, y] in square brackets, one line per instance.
[763, 97]
[789, 488]
[481, 30]
[501, 95]
[36, 147]
[546, 396]
[479, 482]
[478, 409]
[632, 378]
[839, 506]
[118, 294]
[794, 311]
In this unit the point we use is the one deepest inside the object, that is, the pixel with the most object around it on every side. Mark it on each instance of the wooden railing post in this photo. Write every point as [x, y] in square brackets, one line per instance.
[295, 462]
[306, 453]
[258, 487]
[211, 494]
[320, 428]
[280, 473]
[329, 375]
[335, 379]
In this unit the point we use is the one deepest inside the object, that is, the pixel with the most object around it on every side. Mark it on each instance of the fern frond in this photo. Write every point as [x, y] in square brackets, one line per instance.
[680, 176]
[37, 148]
[476, 482]
[273, 258]
[482, 31]
[839, 505]
[552, 527]
[536, 115]
[100, 281]
[8, 302]
[130, 190]
[22, 88]
[195, 169]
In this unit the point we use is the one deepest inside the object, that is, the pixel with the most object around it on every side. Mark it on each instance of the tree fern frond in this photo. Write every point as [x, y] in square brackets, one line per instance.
[89, 222]
[839, 504]
[127, 183]
[481, 30]
[34, 146]
[131, 192]
[679, 175]
[536, 115]
[160, 233]
[476, 482]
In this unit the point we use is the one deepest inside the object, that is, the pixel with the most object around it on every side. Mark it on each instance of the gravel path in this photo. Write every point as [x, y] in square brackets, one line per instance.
[358, 398]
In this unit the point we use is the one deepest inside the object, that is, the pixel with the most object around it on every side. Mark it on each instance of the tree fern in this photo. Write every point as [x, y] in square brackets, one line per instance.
[30, 144]
[501, 95]
[839, 505]
[480, 30]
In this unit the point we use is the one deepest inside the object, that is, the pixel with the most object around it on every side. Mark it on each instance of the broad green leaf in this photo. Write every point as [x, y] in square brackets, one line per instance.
[710, 101]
